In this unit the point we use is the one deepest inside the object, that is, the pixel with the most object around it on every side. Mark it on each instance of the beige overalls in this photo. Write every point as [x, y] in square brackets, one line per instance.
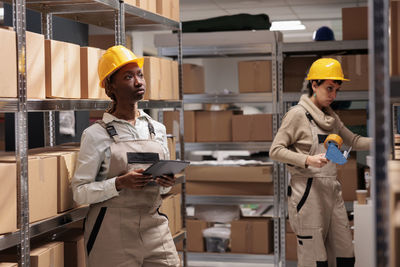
[128, 230]
[316, 211]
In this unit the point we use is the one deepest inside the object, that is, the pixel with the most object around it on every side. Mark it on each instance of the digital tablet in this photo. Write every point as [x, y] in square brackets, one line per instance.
[166, 167]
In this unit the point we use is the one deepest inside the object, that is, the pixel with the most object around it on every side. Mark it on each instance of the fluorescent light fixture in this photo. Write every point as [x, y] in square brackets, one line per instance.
[1, 12]
[287, 25]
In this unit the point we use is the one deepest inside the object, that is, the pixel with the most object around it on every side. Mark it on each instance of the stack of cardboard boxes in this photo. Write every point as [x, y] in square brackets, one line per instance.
[171, 208]
[166, 8]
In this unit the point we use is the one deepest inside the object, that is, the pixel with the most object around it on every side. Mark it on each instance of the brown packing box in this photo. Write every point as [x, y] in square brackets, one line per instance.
[177, 212]
[8, 72]
[245, 174]
[355, 23]
[166, 89]
[168, 208]
[195, 241]
[175, 10]
[175, 80]
[42, 186]
[171, 147]
[164, 8]
[105, 41]
[253, 235]
[171, 122]
[90, 87]
[8, 198]
[47, 255]
[130, 2]
[394, 38]
[176, 189]
[353, 117]
[72, 71]
[228, 188]
[355, 68]
[291, 247]
[213, 126]
[348, 177]
[295, 71]
[35, 65]
[255, 76]
[152, 75]
[189, 126]
[74, 248]
[152, 6]
[193, 79]
[257, 127]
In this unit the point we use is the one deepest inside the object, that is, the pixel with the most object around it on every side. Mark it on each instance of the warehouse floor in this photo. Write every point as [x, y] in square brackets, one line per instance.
[234, 264]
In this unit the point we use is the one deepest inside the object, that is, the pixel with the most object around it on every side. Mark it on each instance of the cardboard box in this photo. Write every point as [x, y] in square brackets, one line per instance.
[193, 79]
[295, 70]
[164, 8]
[72, 71]
[171, 122]
[189, 126]
[213, 126]
[42, 186]
[244, 174]
[172, 147]
[394, 37]
[228, 188]
[130, 2]
[291, 247]
[8, 72]
[255, 76]
[178, 212]
[105, 41]
[90, 87]
[355, 23]
[35, 65]
[253, 235]
[175, 80]
[168, 208]
[47, 255]
[152, 75]
[74, 248]
[355, 68]
[175, 10]
[352, 117]
[195, 241]
[257, 127]
[348, 177]
[152, 6]
[8, 198]
[166, 89]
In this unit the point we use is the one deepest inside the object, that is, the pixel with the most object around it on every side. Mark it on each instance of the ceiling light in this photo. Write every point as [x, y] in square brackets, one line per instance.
[287, 25]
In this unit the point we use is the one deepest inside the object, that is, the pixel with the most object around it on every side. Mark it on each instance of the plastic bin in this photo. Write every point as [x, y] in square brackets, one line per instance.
[217, 239]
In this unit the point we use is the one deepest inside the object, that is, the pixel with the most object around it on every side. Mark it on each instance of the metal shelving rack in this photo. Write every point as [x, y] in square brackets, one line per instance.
[236, 48]
[112, 14]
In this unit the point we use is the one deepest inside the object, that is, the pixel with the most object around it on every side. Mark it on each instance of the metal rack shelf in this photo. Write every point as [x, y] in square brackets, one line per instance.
[395, 89]
[38, 228]
[252, 146]
[226, 99]
[179, 236]
[341, 96]
[102, 13]
[230, 257]
[327, 47]
[11, 104]
[229, 200]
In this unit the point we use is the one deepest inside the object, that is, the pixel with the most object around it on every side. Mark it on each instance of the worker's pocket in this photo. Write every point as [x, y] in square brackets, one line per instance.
[96, 229]
[311, 248]
[305, 195]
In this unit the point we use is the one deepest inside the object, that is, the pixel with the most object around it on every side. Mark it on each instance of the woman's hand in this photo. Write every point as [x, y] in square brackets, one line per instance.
[317, 161]
[132, 180]
[166, 180]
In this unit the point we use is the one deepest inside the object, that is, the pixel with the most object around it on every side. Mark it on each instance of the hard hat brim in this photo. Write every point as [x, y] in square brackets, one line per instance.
[327, 78]
[138, 61]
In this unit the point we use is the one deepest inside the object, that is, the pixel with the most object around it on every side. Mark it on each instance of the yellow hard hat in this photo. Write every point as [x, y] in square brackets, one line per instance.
[114, 58]
[326, 69]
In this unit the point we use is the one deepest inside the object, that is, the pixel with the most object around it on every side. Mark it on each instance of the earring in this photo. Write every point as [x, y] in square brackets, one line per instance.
[314, 95]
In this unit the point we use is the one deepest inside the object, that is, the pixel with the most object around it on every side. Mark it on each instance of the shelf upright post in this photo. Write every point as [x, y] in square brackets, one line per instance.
[119, 25]
[181, 138]
[49, 116]
[276, 165]
[21, 135]
[379, 108]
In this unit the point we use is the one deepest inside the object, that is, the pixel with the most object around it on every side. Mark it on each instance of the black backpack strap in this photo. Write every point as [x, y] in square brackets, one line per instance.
[109, 129]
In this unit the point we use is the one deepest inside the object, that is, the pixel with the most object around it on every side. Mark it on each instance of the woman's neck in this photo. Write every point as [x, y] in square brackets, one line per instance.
[126, 112]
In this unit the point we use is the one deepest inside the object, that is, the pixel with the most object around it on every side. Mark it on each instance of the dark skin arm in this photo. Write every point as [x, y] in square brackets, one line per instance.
[132, 180]
[166, 180]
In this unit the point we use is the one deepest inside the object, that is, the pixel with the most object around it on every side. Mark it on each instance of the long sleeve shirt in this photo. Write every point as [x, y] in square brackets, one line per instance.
[89, 183]
[293, 141]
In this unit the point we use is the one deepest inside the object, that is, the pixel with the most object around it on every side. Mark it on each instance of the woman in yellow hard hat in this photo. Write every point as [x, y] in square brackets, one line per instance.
[124, 226]
[316, 208]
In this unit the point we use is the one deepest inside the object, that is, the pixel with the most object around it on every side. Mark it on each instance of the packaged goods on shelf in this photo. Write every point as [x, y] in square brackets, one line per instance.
[41, 183]
[166, 92]
[252, 235]
[348, 177]
[90, 87]
[62, 69]
[152, 75]
[8, 72]
[35, 65]
[171, 146]
[171, 122]
[195, 241]
[164, 8]
[228, 188]
[214, 126]
[50, 254]
[352, 117]
[105, 41]
[291, 246]
[8, 198]
[355, 23]
[255, 76]
[175, 10]
[193, 79]
[74, 248]
[394, 38]
[257, 127]
[217, 238]
[171, 207]
[295, 71]
[175, 80]
[217, 213]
